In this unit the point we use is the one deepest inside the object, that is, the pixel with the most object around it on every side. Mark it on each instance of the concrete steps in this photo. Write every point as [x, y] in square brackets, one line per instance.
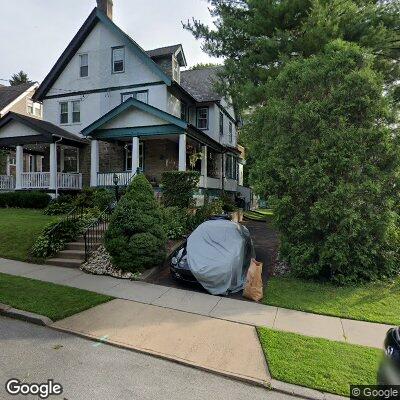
[64, 262]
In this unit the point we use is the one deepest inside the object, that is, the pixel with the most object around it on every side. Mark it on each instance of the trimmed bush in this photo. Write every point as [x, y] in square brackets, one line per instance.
[24, 200]
[135, 238]
[178, 187]
[99, 198]
[203, 213]
[62, 205]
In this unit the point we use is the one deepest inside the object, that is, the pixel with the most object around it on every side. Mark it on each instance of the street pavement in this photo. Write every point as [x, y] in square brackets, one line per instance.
[89, 370]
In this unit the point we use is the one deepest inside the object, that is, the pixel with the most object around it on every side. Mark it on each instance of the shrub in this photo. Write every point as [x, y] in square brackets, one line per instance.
[325, 151]
[203, 213]
[95, 197]
[57, 234]
[174, 222]
[178, 187]
[135, 238]
[62, 205]
[24, 199]
[228, 205]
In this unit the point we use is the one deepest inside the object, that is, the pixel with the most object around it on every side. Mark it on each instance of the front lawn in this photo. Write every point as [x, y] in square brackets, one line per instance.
[53, 301]
[261, 214]
[318, 363]
[378, 302]
[18, 230]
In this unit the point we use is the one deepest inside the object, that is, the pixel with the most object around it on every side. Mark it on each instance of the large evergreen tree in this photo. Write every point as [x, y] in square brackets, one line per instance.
[19, 78]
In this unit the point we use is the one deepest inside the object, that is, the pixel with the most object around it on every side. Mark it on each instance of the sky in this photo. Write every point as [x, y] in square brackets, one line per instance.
[35, 32]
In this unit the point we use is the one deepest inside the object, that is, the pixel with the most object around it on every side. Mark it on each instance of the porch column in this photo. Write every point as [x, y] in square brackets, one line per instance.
[19, 166]
[204, 165]
[135, 154]
[182, 152]
[53, 166]
[94, 162]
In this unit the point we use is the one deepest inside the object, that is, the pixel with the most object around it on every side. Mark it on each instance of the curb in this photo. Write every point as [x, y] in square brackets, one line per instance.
[8, 311]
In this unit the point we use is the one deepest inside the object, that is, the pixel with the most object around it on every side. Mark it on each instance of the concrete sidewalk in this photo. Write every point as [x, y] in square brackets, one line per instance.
[243, 312]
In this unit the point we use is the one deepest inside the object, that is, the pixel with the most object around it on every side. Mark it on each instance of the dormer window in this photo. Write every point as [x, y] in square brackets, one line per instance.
[176, 71]
[84, 65]
[118, 59]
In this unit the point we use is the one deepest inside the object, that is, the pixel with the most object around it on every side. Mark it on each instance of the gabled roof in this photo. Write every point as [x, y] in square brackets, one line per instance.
[95, 16]
[200, 83]
[133, 103]
[42, 127]
[175, 49]
[10, 93]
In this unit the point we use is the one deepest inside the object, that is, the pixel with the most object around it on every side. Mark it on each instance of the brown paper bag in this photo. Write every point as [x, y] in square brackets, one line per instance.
[253, 288]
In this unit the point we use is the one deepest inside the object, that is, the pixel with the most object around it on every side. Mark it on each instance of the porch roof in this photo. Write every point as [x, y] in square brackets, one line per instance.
[47, 132]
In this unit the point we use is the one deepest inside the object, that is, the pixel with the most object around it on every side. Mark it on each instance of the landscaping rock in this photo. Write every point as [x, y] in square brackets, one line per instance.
[100, 264]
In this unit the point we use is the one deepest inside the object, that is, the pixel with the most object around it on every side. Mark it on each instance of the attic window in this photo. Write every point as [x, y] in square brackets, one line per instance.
[118, 59]
[84, 65]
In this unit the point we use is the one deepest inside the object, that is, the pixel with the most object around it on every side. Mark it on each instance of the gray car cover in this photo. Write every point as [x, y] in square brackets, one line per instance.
[216, 255]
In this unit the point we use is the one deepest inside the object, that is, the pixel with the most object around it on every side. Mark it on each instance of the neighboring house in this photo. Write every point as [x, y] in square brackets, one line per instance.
[112, 107]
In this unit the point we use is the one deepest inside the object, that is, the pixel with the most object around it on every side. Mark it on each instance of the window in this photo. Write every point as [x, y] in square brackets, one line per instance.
[176, 72]
[141, 95]
[118, 59]
[184, 111]
[230, 167]
[64, 112]
[202, 118]
[230, 132]
[76, 111]
[30, 107]
[221, 123]
[128, 157]
[84, 65]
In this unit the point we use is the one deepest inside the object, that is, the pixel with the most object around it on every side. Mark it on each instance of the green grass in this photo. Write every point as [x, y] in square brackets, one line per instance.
[318, 363]
[378, 302]
[53, 301]
[18, 230]
[261, 214]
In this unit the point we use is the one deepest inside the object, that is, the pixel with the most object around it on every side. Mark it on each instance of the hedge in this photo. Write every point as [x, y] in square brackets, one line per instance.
[24, 200]
[178, 187]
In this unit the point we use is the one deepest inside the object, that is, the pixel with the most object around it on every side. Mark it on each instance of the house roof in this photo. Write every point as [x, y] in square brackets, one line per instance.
[9, 93]
[95, 16]
[200, 83]
[175, 49]
[42, 127]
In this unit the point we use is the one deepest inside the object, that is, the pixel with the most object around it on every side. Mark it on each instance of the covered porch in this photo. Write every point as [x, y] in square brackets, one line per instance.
[154, 142]
[38, 155]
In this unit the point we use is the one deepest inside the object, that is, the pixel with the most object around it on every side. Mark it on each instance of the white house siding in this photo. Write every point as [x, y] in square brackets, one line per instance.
[16, 129]
[173, 105]
[132, 118]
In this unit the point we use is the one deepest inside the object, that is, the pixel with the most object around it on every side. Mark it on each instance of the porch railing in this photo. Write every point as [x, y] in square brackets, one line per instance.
[69, 180]
[35, 180]
[7, 182]
[106, 178]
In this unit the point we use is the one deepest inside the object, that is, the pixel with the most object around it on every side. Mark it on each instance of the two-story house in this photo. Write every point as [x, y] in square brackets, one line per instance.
[112, 108]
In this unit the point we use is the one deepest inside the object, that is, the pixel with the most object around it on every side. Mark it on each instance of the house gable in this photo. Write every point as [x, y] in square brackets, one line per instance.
[61, 78]
[16, 129]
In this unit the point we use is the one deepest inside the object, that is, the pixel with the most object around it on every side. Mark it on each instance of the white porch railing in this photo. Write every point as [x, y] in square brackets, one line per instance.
[41, 180]
[35, 180]
[7, 182]
[69, 180]
[107, 178]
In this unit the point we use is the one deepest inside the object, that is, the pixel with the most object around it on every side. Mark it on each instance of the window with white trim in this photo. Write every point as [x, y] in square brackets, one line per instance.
[64, 112]
[141, 95]
[230, 167]
[83, 65]
[76, 111]
[128, 157]
[118, 59]
[202, 118]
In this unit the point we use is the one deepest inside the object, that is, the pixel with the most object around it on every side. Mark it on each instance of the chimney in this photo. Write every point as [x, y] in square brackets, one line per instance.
[106, 6]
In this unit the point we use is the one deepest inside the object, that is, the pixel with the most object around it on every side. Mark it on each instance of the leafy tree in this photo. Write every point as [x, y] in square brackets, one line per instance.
[19, 78]
[203, 65]
[135, 238]
[324, 151]
[258, 37]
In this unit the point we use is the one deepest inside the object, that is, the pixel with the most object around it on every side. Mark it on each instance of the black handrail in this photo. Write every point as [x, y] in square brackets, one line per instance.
[95, 232]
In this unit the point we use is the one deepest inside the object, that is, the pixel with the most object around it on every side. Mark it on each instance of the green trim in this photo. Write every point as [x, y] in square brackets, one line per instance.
[133, 103]
[106, 89]
[137, 131]
[139, 52]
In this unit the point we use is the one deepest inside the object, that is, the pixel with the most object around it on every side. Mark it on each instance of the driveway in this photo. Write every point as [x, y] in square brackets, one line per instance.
[265, 240]
[89, 370]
